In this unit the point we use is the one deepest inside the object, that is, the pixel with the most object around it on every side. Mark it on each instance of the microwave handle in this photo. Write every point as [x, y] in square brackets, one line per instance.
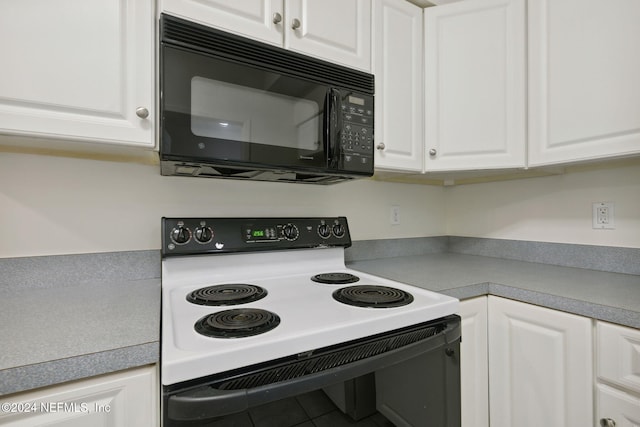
[333, 126]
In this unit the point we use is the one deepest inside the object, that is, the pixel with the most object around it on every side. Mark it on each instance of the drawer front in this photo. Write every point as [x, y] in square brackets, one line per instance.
[622, 408]
[619, 355]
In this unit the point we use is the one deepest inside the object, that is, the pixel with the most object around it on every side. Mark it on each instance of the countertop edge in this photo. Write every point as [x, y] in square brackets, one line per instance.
[29, 377]
[594, 311]
[426, 271]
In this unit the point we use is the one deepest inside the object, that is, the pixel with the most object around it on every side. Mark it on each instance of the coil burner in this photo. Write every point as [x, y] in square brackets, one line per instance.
[230, 294]
[335, 278]
[237, 323]
[372, 296]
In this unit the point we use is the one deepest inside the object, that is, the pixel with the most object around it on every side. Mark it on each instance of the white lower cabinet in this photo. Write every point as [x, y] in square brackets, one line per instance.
[528, 366]
[474, 368]
[540, 366]
[123, 399]
[617, 408]
[618, 371]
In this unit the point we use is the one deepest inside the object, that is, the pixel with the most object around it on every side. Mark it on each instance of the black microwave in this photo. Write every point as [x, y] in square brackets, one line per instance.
[231, 107]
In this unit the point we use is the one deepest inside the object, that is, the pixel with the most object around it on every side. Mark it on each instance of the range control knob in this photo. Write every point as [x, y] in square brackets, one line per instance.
[203, 234]
[290, 232]
[180, 235]
[338, 230]
[324, 231]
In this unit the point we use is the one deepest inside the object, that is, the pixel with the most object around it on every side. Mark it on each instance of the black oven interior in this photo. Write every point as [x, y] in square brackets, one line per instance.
[407, 377]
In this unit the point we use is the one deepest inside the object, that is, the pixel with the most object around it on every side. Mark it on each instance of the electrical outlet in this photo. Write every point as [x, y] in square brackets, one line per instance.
[603, 215]
[395, 215]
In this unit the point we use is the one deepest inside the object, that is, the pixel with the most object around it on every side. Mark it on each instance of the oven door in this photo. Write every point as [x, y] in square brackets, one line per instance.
[415, 370]
[221, 111]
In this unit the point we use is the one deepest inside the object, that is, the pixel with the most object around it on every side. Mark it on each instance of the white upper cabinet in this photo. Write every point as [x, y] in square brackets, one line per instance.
[334, 30]
[257, 19]
[397, 53]
[584, 90]
[475, 85]
[78, 70]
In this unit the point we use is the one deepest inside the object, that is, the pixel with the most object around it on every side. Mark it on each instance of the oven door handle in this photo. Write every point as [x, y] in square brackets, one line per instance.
[205, 402]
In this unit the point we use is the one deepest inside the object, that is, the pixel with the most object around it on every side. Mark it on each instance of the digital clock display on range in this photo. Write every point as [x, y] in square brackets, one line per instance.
[258, 234]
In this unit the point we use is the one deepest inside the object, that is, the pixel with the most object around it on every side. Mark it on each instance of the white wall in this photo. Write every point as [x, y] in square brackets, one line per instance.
[57, 205]
[549, 209]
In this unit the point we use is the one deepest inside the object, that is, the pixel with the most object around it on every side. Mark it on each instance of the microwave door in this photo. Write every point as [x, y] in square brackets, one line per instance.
[229, 112]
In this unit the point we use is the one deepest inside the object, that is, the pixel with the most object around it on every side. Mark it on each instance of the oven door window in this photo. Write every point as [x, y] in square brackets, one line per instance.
[221, 109]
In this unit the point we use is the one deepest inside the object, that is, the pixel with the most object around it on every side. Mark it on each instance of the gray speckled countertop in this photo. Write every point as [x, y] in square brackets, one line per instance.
[58, 334]
[54, 332]
[71, 317]
[613, 297]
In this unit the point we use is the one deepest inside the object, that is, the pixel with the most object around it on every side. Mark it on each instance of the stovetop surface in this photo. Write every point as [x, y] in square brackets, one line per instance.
[310, 318]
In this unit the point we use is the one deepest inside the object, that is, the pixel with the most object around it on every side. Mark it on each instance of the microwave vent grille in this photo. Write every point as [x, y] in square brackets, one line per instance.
[220, 44]
[177, 168]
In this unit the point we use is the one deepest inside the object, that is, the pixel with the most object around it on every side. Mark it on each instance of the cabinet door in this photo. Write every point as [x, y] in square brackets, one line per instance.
[123, 399]
[261, 20]
[78, 69]
[475, 85]
[474, 366]
[584, 91]
[540, 366]
[397, 53]
[618, 350]
[620, 407]
[334, 30]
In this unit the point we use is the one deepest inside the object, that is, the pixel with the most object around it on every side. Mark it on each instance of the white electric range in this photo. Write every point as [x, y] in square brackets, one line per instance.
[246, 294]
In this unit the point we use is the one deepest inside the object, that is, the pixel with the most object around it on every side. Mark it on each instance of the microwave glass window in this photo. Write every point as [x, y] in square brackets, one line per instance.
[235, 112]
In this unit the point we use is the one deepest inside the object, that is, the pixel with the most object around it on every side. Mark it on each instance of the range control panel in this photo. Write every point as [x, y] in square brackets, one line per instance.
[193, 236]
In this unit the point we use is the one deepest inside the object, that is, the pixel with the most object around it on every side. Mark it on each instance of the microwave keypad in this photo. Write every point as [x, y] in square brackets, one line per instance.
[357, 130]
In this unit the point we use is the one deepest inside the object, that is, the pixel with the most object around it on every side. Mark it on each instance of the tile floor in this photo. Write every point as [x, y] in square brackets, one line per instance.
[313, 409]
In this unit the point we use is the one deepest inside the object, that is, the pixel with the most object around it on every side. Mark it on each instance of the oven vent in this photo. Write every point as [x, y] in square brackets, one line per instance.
[327, 359]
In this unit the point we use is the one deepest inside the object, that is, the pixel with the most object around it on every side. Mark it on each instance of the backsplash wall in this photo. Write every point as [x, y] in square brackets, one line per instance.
[550, 209]
[58, 205]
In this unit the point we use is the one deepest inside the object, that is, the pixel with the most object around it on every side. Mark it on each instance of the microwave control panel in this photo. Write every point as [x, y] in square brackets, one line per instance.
[356, 139]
